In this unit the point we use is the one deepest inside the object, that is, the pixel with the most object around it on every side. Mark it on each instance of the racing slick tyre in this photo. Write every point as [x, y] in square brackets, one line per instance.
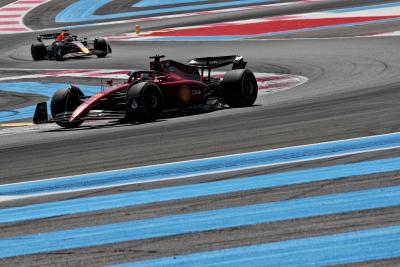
[102, 45]
[144, 102]
[239, 88]
[59, 53]
[38, 51]
[66, 100]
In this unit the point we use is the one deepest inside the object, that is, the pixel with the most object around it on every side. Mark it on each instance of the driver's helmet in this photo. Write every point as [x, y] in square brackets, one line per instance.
[62, 36]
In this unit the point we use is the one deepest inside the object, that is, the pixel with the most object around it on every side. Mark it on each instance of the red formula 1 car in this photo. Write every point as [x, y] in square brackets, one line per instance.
[147, 94]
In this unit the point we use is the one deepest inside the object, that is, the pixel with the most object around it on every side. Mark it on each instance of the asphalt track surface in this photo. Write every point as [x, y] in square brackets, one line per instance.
[353, 91]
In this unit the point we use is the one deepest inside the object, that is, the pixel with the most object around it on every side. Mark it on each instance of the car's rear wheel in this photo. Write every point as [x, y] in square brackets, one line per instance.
[144, 102]
[66, 100]
[38, 51]
[103, 46]
[239, 88]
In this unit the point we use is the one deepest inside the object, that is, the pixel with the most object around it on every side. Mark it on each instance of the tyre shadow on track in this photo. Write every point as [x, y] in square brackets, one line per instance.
[124, 123]
[110, 124]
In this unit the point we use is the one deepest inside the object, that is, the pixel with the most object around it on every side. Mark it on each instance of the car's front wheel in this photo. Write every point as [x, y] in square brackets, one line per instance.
[66, 100]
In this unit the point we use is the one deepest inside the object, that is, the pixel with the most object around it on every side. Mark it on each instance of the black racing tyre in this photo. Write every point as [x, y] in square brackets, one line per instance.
[66, 100]
[38, 51]
[58, 53]
[144, 102]
[102, 45]
[239, 88]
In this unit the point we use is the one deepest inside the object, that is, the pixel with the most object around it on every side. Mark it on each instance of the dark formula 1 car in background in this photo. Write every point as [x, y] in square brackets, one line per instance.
[60, 46]
[168, 86]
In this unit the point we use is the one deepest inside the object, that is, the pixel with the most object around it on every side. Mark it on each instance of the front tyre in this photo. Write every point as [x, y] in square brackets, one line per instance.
[66, 100]
[239, 88]
[144, 102]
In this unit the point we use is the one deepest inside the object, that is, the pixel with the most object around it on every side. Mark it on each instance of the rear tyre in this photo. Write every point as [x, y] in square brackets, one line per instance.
[144, 102]
[239, 88]
[66, 100]
[38, 51]
[103, 46]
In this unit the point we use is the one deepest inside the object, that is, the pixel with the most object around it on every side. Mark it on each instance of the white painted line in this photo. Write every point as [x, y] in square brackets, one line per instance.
[162, 17]
[395, 33]
[30, 76]
[10, 198]
[226, 170]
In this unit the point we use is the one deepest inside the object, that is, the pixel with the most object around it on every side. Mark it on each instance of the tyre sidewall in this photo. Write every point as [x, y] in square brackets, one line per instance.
[38, 51]
[102, 45]
[145, 102]
[66, 100]
[239, 88]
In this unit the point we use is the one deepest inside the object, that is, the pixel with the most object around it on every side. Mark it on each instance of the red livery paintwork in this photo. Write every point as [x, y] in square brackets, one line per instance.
[90, 102]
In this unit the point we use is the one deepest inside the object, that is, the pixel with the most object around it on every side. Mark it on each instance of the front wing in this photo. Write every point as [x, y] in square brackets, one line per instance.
[41, 115]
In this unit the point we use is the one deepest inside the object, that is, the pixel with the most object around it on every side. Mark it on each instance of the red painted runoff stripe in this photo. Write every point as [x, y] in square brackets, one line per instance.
[13, 13]
[65, 72]
[11, 16]
[9, 22]
[268, 26]
[23, 8]
[13, 29]
[105, 73]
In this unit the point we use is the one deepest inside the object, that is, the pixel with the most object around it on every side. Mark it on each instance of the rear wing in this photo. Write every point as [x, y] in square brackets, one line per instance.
[52, 36]
[217, 62]
[49, 36]
[209, 63]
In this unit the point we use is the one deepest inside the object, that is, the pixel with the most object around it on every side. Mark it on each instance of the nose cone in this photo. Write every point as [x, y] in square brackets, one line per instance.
[79, 111]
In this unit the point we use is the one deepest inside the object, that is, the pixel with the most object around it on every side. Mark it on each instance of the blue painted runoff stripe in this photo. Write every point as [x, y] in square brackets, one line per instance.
[91, 204]
[368, 7]
[199, 221]
[84, 10]
[185, 169]
[342, 248]
[46, 89]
